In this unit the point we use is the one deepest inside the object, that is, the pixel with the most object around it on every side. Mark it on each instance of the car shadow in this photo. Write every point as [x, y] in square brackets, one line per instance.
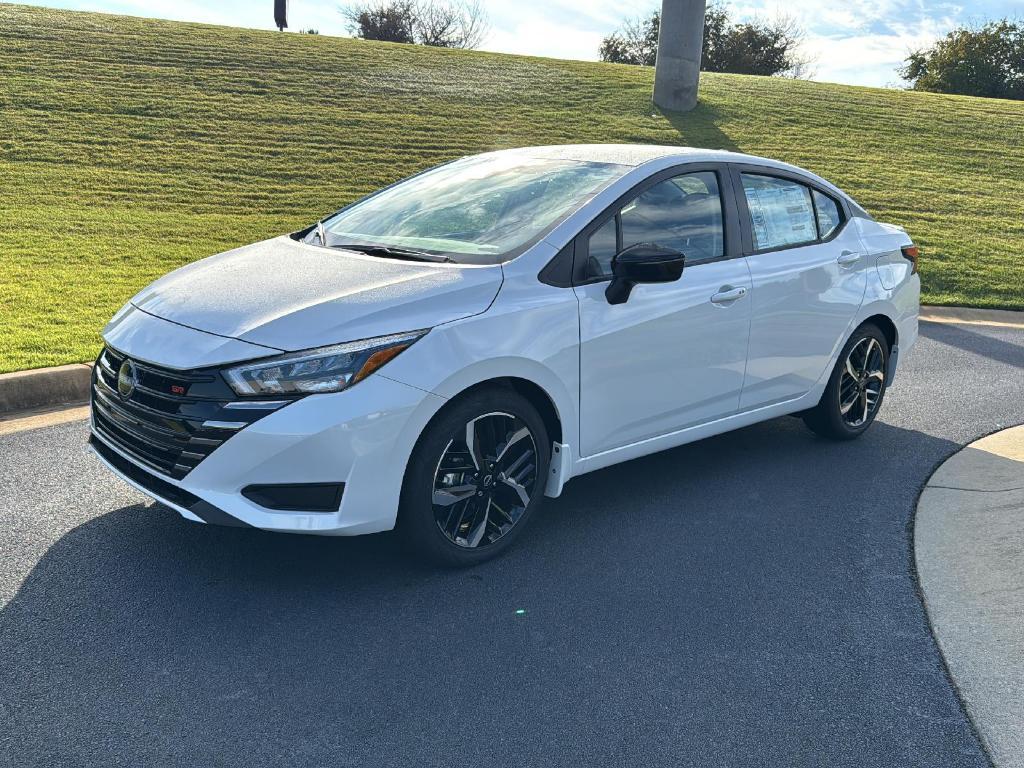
[139, 637]
[986, 345]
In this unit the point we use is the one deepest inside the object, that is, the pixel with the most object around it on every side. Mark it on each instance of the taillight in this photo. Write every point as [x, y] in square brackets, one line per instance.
[911, 254]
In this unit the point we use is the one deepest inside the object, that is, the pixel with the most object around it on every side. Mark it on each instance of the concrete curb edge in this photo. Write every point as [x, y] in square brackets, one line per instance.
[45, 388]
[967, 551]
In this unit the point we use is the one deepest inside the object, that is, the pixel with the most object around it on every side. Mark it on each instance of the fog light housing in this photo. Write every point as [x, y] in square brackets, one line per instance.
[297, 497]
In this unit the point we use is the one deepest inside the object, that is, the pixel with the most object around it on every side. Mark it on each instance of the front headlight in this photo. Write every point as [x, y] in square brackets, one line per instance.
[328, 369]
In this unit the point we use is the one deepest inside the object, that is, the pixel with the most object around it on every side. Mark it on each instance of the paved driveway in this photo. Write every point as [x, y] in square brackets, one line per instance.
[746, 600]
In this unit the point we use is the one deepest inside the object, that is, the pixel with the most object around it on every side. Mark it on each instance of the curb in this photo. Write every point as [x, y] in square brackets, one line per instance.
[969, 557]
[1000, 318]
[45, 388]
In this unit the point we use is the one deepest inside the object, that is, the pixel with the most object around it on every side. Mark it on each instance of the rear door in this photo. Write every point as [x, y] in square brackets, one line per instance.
[673, 355]
[808, 274]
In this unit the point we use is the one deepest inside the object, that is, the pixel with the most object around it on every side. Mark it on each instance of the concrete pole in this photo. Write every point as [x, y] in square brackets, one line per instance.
[679, 47]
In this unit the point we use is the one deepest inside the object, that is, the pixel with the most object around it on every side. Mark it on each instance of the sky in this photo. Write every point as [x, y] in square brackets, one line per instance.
[860, 42]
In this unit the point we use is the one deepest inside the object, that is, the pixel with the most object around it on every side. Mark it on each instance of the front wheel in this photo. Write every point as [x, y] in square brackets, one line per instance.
[854, 394]
[476, 476]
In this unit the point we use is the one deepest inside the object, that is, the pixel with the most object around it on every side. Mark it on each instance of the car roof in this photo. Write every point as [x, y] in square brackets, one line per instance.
[632, 154]
[658, 157]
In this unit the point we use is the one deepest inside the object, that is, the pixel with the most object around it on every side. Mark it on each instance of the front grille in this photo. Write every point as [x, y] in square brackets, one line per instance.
[161, 422]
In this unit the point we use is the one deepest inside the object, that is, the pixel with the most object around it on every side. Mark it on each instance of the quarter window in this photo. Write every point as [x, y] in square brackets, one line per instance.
[683, 213]
[829, 217]
[781, 212]
[604, 244]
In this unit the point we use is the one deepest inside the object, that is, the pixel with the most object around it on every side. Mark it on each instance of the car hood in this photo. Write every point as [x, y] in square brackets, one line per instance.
[288, 295]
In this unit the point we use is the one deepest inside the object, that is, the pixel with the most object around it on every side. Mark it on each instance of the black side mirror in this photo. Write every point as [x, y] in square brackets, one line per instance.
[642, 263]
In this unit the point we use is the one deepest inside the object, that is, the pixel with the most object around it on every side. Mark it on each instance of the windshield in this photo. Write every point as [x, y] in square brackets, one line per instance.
[480, 210]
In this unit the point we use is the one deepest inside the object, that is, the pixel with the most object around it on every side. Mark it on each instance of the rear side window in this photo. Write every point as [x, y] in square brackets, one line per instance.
[683, 213]
[829, 217]
[781, 212]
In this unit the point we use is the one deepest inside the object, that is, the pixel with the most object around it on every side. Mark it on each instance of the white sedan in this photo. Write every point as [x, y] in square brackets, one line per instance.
[442, 354]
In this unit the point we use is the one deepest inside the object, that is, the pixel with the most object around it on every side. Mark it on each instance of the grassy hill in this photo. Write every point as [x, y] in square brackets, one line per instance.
[129, 147]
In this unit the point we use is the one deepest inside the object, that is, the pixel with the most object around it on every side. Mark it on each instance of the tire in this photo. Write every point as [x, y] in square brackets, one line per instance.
[484, 512]
[855, 390]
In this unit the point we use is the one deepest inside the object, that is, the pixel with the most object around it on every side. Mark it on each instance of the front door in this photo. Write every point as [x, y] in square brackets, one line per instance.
[674, 354]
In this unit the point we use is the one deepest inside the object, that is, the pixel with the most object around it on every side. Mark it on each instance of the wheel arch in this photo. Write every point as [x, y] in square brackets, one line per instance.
[885, 324]
[536, 395]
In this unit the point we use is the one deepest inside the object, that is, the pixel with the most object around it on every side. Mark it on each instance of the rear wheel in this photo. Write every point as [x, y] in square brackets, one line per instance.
[855, 391]
[475, 477]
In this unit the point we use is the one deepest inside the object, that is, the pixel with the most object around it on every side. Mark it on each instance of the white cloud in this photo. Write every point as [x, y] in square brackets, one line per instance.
[534, 37]
[860, 59]
[871, 59]
[861, 42]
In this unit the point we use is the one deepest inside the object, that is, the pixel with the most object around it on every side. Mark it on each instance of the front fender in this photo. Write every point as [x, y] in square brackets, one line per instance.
[535, 340]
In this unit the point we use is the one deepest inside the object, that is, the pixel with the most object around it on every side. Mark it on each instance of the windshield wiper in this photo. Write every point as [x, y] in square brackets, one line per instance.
[391, 252]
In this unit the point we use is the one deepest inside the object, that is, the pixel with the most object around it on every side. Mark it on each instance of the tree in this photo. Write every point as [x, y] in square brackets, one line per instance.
[393, 21]
[451, 25]
[752, 48]
[635, 43]
[445, 24]
[980, 61]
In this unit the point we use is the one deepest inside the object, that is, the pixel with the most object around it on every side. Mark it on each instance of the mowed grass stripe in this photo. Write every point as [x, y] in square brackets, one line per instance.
[129, 147]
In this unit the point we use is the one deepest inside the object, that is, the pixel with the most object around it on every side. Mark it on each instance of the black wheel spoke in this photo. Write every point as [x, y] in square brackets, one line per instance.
[456, 516]
[502, 514]
[445, 497]
[515, 491]
[485, 479]
[472, 439]
[514, 439]
[478, 526]
[514, 468]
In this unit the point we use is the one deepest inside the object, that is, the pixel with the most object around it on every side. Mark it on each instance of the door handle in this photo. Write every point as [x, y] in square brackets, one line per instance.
[728, 294]
[848, 258]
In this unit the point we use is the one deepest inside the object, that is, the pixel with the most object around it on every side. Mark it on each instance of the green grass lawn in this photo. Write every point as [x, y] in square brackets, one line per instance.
[129, 147]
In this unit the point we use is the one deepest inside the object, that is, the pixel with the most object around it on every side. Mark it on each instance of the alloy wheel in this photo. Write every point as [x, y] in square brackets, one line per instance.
[485, 479]
[861, 383]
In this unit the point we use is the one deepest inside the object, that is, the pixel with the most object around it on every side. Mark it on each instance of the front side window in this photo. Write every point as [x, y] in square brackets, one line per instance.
[480, 210]
[683, 213]
[781, 212]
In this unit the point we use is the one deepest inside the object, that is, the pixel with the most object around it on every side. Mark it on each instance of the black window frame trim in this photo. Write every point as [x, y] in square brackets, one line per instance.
[746, 220]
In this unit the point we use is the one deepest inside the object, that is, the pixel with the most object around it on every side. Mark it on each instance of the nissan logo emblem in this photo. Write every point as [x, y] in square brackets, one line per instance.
[126, 379]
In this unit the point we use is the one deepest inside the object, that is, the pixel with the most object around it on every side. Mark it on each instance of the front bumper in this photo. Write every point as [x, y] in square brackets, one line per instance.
[361, 438]
[178, 499]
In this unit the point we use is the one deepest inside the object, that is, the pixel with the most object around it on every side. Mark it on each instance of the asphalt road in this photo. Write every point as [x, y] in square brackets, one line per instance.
[746, 600]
